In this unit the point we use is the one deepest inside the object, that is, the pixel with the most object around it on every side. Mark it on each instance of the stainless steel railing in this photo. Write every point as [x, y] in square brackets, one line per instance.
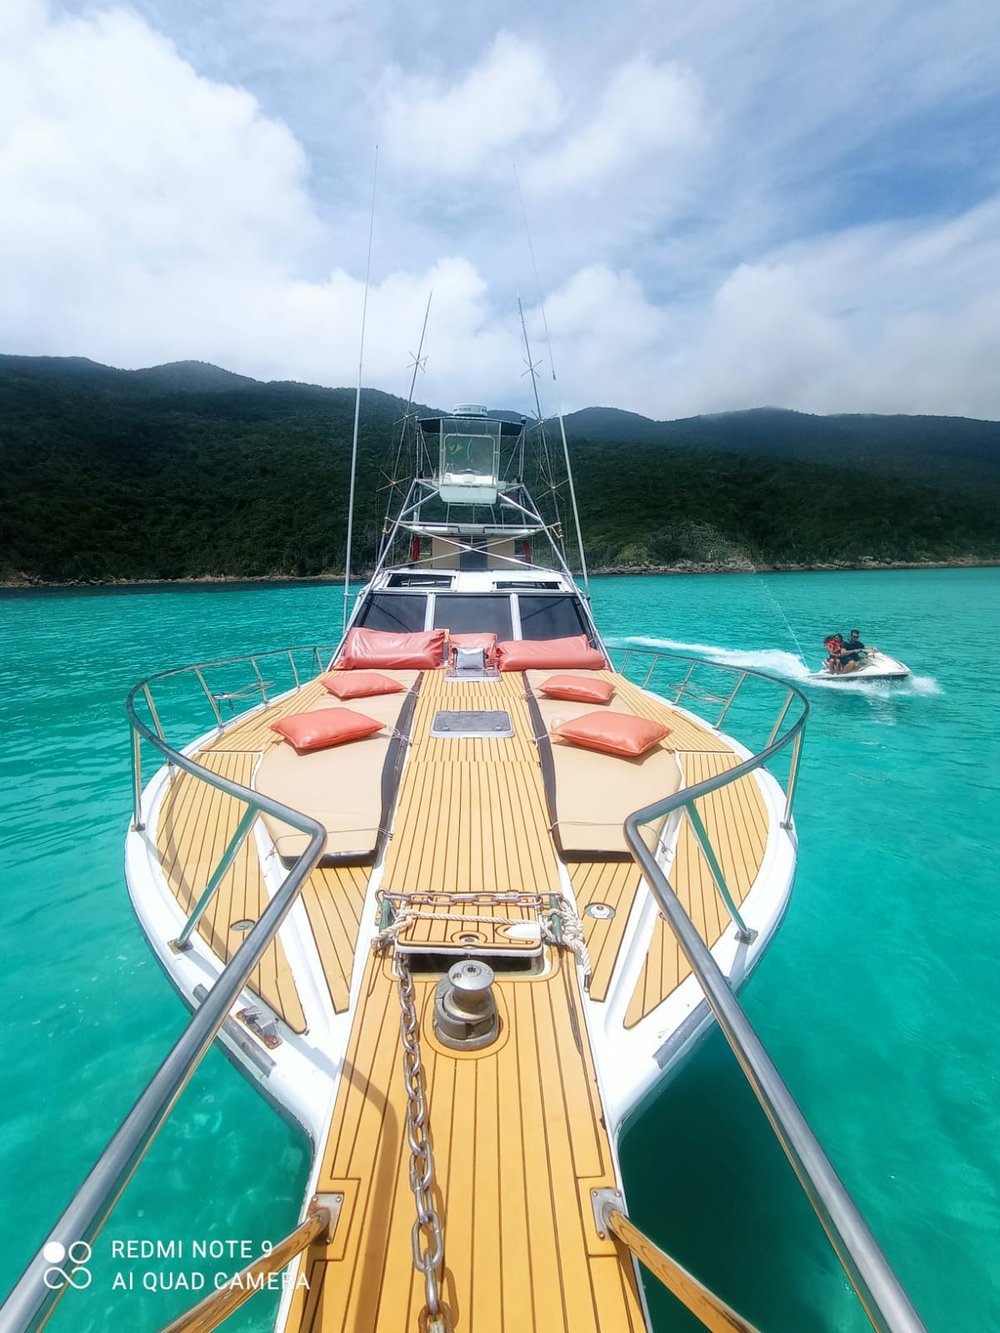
[319, 654]
[653, 660]
[32, 1300]
[885, 1302]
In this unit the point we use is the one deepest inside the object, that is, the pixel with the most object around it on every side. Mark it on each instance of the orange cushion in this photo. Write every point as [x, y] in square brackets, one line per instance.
[578, 688]
[360, 685]
[528, 654]
[325, 727]
[422, 651]
[487, 642]
[613, 733]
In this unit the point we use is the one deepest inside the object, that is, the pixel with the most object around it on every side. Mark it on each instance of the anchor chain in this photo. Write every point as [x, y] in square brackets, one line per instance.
[428, 1239]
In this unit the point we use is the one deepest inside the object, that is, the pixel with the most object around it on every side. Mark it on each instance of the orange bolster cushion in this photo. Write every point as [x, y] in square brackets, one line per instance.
[613, 733]
[325, 727]
[421, 651]
[578, 688]
[529, 654]
[360, 685]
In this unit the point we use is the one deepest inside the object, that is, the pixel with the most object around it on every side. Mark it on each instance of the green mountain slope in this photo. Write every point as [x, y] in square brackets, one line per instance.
[189, 471]
[954, 450]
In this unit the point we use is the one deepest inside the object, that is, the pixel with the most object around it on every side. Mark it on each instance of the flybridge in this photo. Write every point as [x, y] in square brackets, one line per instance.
[468, 466]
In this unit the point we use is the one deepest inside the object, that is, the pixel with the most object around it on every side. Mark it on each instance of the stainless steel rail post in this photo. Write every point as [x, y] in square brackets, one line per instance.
[209, 696]
[708, 851]
[729, 702]
[793, 777]
[295, 670]
[183, 941]
[682, 689]
[260, 680]
[137, 822]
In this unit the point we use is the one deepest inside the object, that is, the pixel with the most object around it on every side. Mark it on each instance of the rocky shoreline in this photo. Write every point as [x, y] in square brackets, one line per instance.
[25, 583]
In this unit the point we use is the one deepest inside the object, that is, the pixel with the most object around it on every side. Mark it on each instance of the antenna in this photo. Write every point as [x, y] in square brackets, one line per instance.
[357, 398]
[532, 370]
[552, 367]
[418, 363]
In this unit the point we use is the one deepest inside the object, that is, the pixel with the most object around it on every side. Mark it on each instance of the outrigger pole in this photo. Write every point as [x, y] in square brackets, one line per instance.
[552, 368]
[357, 401]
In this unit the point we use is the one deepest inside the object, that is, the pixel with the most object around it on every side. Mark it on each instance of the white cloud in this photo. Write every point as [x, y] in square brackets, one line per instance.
[509, 97]
[645, 109]
[511, 105]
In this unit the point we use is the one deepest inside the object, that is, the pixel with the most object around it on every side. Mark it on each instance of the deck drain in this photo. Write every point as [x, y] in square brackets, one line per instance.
[602, 911]
[243, 924]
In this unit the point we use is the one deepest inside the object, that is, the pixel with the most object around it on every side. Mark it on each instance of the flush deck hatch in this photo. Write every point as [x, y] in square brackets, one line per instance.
[473, 724]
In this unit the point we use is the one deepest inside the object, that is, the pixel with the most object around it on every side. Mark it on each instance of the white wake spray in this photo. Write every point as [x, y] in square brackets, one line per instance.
[778, 662]
[774, 660]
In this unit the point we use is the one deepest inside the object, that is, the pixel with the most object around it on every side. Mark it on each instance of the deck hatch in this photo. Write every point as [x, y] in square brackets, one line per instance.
[473, 724]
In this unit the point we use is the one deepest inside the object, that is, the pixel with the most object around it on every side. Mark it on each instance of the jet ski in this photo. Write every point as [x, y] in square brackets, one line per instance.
[874, 665]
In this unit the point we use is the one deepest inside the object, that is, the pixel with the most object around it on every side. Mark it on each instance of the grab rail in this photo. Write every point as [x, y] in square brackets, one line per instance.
[885, 1302]
[219, 1305]
[711, 1311]
[686, 799]
[31, 1301]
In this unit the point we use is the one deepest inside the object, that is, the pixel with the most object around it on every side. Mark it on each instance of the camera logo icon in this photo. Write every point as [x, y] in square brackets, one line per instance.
[75, 1257]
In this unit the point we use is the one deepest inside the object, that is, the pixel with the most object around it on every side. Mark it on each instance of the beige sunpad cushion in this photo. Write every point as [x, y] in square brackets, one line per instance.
[341, 787]
[595, 792]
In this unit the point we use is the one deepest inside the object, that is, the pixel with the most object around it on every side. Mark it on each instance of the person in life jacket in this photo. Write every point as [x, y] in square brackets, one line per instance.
[834, 645]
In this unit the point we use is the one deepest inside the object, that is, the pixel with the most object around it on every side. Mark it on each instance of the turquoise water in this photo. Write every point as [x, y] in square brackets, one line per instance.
[878, 1000]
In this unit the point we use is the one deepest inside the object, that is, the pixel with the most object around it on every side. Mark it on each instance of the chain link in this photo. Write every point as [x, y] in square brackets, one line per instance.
[428, 1239]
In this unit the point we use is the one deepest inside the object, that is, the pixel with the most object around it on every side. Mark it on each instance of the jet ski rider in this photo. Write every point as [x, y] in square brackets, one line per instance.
[852, 650]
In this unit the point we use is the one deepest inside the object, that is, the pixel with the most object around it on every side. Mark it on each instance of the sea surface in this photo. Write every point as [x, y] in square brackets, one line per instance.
[879, 998]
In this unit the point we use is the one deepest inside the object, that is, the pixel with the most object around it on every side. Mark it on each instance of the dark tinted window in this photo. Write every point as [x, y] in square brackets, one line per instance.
[519, 585]
[473, 613]
[394, 611]
[420, 581]
[550, 617]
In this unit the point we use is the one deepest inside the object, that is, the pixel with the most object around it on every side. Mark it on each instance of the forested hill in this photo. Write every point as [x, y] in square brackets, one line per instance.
[955, 450]
[188, 470]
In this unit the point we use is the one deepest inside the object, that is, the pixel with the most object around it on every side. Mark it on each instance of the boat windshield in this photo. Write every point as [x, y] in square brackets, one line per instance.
[543, 615]
[481, 613]
[550, 617]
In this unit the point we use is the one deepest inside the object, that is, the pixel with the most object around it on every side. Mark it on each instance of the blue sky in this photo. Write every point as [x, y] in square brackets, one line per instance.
[732, 204]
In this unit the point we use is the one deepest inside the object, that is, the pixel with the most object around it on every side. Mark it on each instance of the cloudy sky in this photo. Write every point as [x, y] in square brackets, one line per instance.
[731, 203]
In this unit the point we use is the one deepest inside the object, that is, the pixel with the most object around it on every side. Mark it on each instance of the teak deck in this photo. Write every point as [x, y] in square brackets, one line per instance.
[518, 1146]
[517, 1129]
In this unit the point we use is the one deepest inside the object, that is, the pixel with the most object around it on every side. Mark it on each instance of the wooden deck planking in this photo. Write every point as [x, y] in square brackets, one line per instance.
[616, 884]
[471, 814]
[195, 826]
[518, 1145]
[736, 822]
[334, 898]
